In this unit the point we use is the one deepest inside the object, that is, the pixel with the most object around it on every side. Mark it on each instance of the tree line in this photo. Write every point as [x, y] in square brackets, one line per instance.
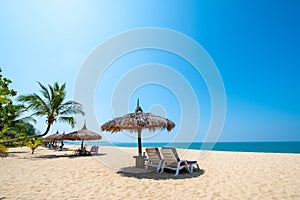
[50, 103]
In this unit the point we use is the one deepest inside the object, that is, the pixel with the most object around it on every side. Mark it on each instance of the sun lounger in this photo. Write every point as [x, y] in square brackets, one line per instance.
[81, 152]
[173, 162]
[154, 158]
[94, 149]
[85, 152]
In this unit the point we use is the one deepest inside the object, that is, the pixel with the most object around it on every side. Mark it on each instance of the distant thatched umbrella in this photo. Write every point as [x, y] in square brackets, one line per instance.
[135, 122]
[54, 137]
[82, 135]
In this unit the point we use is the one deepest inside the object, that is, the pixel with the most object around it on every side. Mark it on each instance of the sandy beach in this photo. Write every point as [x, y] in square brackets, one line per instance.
[50, 174]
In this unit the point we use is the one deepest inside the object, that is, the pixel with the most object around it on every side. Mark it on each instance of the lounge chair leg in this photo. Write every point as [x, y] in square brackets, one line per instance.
[158, 167]
[178, 167]
[162, 168]
[177, 172]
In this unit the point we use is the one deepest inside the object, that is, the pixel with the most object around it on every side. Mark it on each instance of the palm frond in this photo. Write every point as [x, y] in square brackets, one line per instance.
[71, 108]
[34, 102]
[63, 87]
[51, 93]
[44, 91]
[27, 119]
[69, 120]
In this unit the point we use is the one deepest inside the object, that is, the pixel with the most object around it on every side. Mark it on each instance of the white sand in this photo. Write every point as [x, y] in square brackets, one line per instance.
[225, 175]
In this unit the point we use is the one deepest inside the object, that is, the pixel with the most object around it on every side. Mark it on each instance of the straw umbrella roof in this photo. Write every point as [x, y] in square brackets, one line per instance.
[82, 134]
[139, 120]
[136, 122]
[54, 137]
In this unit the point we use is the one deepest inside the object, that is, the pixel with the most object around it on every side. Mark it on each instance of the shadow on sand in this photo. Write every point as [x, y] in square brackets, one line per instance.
[151, 174]
[50, 156]
[14, 152]
[67, 156]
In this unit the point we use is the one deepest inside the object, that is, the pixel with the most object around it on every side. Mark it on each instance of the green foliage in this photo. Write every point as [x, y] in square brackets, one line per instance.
[12, 125]
[8, 111]
[20, 143]
[3, 150]
[34, 143]
[30, 130]
[51, 103]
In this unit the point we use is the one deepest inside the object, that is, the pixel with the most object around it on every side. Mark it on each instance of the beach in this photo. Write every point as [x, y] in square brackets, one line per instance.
[110, 174]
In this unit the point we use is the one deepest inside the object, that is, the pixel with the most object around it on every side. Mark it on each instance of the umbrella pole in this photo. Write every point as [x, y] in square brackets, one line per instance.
[81, 144]
[140, 141]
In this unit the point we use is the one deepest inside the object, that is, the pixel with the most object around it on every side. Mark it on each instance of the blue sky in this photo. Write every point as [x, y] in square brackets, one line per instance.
[254, 44]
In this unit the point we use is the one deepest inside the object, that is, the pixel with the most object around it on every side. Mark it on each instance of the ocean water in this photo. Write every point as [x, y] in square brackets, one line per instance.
[266, 147]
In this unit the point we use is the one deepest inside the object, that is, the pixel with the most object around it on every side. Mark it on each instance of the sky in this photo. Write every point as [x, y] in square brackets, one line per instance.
[253, 45]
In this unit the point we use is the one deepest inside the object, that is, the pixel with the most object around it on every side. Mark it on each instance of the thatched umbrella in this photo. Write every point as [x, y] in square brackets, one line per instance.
[82, 134]
[54, 137]
[135, 122]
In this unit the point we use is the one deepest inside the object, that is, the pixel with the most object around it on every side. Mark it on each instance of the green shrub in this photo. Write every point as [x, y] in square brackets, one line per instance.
[34, 143]
[3, 150]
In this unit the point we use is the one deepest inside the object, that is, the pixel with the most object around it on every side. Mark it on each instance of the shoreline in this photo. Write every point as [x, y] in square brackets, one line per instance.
[280, 150]
[53, 174]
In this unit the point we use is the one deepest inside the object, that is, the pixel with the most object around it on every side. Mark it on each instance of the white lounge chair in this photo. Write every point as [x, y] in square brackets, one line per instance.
[173, 162]
[154, 158]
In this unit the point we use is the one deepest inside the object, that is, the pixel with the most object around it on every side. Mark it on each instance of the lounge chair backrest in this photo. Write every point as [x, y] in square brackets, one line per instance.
[94, 149]
[154, 155]
[170, 155]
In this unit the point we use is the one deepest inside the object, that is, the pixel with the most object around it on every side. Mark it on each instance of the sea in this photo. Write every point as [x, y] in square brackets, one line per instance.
[265, 147]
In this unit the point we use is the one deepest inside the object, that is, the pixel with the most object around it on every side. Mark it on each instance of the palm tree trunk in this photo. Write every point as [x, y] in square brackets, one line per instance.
[25, 138]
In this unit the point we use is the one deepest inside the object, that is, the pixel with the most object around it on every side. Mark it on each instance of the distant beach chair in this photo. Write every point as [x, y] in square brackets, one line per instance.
[94, 149]
[84, 152]
[154, 158]
[173, 162]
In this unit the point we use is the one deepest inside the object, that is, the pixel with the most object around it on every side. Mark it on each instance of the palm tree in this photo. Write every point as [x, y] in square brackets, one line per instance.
[51, 103]
[34, 143]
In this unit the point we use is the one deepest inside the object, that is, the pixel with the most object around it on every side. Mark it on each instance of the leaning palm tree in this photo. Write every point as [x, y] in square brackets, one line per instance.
[51, 103]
